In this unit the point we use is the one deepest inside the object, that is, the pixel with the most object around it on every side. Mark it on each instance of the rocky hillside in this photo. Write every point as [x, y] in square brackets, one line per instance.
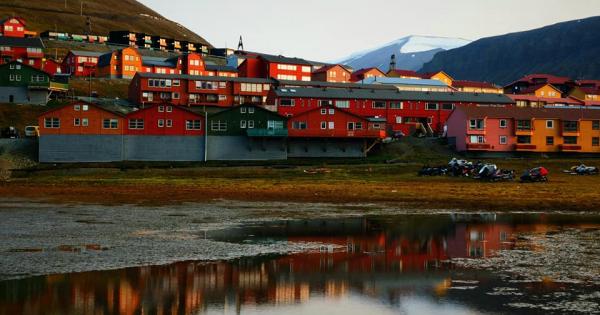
[566, 49]
[105, 15]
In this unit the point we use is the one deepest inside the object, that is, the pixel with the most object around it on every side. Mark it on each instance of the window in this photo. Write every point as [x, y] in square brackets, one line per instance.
[192, 124]
[161, 123]
[503, 140]
[550, 124]
[250, 110]
[286, 102]
[331, 111]
[595, 141]
[595, 124]
[175, 96]
[331, 125]
[110, 124]
[84, 122]
[549, 140]
[570, 126]
[503, 123]
[76, 122]
[398, 119]
[77, 107]
[351, 126]
[242, 124]
[169, 123]
[323, 111]
[300, 125]
[523, 125]
[324, 103]
[161, 109]
[323, 125]
[136, 124]
[274, 124]
[85, 107]
[306, 69]
[524, 139]
[250, 124]
[218, 125]
[243, 110]
[305, 78]
[476, 139]
[476, 124]
[358, 126]
[378, 105]
[570, 140]
[176, 83]
[447, 106]
[396, 105]
[431, 106]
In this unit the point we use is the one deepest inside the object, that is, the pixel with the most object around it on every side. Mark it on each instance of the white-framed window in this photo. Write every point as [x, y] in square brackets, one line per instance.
[192, 125]
[85, 122]
[398, 119]
[331, 111]
[169, 123]
[323, 111]
[476, 124]
[477, 139]
[222, 97]
[161, 123]
[76, 108]
[331, 125]
[550, 124]
[242, 124]
[503, 140]
[76, 122]
[250, 124]
[243, 110]
[351, 125]
[250, 110]
[286, 102]
[306, 69]
[217, 125]
[431, 106]
[161, 109]
[136, 124]
[342, 104]
[396, 105]
[378, 104]
[503, 123]
[52, 122]
[110, 124]
[85, 107]
[300, 125]
[323, 125]
[175, 96]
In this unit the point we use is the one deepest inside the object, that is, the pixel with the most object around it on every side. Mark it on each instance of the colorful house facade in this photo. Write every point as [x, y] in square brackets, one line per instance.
[24, 84]
[332, 73]
[119, 64]
[81, 63]
[275, 67]
[363, 74]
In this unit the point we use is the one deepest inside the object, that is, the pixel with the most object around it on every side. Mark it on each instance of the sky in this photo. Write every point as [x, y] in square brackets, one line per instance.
[328, 30]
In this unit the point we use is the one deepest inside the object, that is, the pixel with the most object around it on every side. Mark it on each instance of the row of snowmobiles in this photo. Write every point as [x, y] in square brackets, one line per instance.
[483, 171]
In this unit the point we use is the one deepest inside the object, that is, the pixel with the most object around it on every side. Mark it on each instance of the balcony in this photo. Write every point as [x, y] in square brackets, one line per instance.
[475, 131]
[524, 131]
[570, 147]
[341, 133]
[262, 132]
[570, 132]
[478, 146]
[525, 147]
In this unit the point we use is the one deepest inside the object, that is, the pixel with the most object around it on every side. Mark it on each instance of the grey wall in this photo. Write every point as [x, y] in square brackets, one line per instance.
[23, 96]
[234, 148]
[164, 148]
[80, 148]
[334, 148]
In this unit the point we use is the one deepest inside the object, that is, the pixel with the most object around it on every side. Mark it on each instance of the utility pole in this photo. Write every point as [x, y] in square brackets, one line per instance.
[65, 4]
[81, 12]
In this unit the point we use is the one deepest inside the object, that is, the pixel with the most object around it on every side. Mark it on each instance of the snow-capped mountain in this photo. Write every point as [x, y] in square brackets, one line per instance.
[411, 52]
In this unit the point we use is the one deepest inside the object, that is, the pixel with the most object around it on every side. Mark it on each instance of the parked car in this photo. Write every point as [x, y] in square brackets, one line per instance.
[32, 131]
[10, 132]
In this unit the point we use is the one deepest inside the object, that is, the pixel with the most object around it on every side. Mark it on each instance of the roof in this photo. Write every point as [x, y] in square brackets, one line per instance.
[205, 78]
[405, 73]
[111, 108]
[158, 62]
[590, 90]
[394, 95]
[365, 70]
[34, 42]
[104, 60]
[86, 53]
[283, 59]
[26, 65]
[18, 18]
[550, 79]
[228, 109]
[595, 83]
[340, 85]
[535, 87]
[550, 100]
[563, 113]
[211, 67]
[403, 81]
[428, 75]
[474, 84]
[329, 67]
[333, 107]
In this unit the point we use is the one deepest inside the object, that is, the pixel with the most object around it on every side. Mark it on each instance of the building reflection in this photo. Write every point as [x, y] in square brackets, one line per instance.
[377, 258]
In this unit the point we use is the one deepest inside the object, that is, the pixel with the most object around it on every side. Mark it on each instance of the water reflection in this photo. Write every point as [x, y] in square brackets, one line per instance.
[364, 265]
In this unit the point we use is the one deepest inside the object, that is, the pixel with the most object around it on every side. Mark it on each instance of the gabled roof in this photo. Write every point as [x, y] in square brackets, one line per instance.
[428, 75]
[329, 67]
[365, 70]
[332, 107]
[86, 53]
[590, 90]
[527, 113]
[104, 60]
[151, 106]
[404, 81]
[25, 65]
[158, 62]
[533, 88]
[111, 108]
[590, 83]
[550, 79]
[394, 95]
[18, 18]
[405, 73]
[283, 59]
[212, 67]
[203, 78]
[33, 42]
[548, 100]
[474, 84]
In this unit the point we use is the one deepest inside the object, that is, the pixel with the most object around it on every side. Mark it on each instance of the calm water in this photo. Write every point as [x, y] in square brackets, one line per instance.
[379, 263]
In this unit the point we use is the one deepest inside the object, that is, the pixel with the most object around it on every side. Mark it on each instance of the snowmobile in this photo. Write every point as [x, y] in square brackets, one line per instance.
[538, 174]
[583, 170]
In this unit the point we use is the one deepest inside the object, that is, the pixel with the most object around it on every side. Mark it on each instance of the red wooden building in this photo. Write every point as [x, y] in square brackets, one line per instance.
[13, 27]
[164, 120]
[275, 67]
[404, 111]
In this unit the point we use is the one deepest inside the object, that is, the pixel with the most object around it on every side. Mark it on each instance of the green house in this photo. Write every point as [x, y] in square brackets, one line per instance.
[246, 132]
[21, 83]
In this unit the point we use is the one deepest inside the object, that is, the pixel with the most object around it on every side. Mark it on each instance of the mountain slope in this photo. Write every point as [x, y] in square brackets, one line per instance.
[106, 15]
[566, 49]
[411, 52]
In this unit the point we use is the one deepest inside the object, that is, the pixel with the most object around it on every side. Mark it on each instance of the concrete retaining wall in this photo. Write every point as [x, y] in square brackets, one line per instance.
[24, 147]
[329, 148]
[240, 148]
[21, 95]
[164, 148]
[81, 148]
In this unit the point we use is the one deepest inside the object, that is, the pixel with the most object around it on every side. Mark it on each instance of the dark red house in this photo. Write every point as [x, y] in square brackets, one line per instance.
[164, 120]
[275, 67]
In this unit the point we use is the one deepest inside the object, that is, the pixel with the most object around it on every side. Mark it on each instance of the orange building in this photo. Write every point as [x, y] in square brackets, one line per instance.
[122, 63]
[82, 118]
[332, 73]
[440, 76]
[366, 73]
